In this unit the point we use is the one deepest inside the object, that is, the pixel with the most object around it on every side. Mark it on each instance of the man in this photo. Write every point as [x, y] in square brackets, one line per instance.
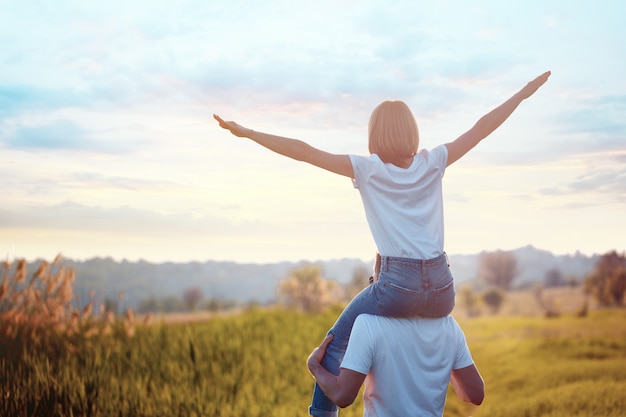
[406, 365]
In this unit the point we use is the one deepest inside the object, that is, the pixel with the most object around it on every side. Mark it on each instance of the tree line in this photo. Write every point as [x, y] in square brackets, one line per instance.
[305, 287]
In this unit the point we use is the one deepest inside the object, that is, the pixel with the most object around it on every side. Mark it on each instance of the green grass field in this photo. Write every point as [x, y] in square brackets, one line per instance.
[253, 364]
[566, 366]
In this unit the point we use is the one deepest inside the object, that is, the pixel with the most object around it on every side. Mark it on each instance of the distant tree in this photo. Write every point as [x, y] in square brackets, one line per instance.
[168, 304]
[148, 305]
[607, 282]
[572, 281]
[498, 269]
[469, 300]
[219, 304]
[546, 303]
[305, 288]
[192, 297]
[493, 298]
[111, 305]
[554, 278]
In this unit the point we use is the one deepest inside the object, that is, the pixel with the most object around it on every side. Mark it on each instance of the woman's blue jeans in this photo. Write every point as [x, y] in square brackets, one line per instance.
[405, 288]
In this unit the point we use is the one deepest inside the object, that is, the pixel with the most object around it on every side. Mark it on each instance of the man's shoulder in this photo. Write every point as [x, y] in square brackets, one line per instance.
[383, 321]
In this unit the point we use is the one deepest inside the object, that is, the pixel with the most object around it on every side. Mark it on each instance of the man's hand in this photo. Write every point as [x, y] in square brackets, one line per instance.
[315, 358]
[233, 127]
[341, 389]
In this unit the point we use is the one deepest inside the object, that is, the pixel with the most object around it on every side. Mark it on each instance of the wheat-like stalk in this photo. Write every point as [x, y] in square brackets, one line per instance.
[43, 307]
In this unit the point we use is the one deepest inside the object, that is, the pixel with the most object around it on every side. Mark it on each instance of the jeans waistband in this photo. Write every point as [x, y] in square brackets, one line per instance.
[418, 263]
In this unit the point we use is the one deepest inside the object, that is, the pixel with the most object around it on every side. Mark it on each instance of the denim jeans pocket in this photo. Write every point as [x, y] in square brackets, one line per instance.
[443, 285]
[398, 301]
[392, 286]
[444, 301]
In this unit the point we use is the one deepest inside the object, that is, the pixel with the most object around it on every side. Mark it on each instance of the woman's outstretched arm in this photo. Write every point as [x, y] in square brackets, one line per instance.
[293, 148]
[492, 120]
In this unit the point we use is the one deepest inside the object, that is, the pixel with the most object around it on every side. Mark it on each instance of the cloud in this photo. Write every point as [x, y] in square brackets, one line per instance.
[17, 98]
[212, 54]
[65, 134]
[60, 134]
[99, 181]
[601, 116]
[604, 178]
[124, 220]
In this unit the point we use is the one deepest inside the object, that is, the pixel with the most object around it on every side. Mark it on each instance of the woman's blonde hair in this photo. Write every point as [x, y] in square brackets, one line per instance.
[393, 131]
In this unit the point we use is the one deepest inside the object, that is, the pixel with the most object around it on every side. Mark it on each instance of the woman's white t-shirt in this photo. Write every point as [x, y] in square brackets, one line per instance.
[404, 206]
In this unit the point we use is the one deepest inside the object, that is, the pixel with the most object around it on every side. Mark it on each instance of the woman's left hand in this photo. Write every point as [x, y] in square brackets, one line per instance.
[233, 127]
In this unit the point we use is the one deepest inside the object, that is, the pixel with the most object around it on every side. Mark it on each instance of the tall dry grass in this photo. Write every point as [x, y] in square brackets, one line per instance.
[40, 309]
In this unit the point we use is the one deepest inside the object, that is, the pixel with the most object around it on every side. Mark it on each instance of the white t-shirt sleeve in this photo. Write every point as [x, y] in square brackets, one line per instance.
[463, 354]
[359, 354]
[440, 153]
[361, 165]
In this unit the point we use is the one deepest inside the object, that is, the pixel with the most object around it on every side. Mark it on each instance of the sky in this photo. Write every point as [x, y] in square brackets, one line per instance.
[108, 147]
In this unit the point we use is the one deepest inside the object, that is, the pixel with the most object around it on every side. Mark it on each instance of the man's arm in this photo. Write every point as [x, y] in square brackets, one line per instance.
[293, 148]
[492, 120]
[341, 389]
[468, 384]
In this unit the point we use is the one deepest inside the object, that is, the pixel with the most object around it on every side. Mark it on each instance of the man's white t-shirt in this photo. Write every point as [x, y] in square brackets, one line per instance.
[404, 206]
[407, 361]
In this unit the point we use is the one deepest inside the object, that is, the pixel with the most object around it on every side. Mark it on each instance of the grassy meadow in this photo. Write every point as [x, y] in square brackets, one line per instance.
[253, 364]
